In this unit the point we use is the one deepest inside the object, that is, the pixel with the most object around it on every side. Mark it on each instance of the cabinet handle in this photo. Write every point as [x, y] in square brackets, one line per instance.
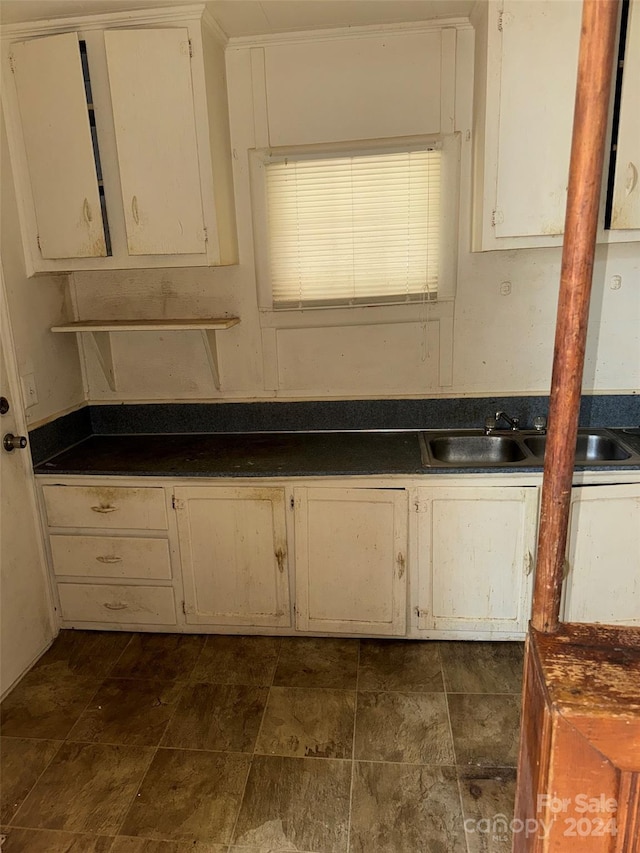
[86, 211]
[280, 555]
[134, 210]
[109, 559]
[116, 606]
[528, 563]
[104, 508]
[632, 178]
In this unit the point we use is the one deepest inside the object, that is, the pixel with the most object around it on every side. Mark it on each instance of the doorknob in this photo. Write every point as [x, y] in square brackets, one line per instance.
[12, 442]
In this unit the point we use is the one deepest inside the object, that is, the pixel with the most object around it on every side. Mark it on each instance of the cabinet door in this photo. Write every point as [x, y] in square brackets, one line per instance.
[626, 189]
[153, 112]
[57, 137]
[233, 550]
[537, 88]
[603, 581]
[351, 552]
[475, 558]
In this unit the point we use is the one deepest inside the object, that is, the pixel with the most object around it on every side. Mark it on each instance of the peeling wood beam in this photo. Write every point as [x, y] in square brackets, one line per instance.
[595, 67]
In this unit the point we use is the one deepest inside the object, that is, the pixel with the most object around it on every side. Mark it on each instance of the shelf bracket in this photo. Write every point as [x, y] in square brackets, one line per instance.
[211, 348]
[101, 342]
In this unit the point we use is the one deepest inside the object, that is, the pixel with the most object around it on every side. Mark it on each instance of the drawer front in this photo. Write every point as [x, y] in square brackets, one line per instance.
[101, 506]
[110, 557]
[137, 605]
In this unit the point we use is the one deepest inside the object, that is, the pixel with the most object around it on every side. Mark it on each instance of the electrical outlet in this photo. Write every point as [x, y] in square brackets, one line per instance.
[29, 391]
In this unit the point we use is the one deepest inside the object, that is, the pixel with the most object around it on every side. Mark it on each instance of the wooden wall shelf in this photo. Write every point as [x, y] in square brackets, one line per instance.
[99, 333]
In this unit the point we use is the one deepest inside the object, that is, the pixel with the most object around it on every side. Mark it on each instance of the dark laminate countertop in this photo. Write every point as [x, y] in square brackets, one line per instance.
[241, 455]
[266, 454]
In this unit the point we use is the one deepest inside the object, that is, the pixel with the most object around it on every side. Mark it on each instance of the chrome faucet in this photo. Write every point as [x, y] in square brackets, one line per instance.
[492, 421]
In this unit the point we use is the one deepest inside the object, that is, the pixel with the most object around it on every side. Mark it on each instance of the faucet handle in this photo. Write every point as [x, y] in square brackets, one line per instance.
[490, 423]
[540, 423]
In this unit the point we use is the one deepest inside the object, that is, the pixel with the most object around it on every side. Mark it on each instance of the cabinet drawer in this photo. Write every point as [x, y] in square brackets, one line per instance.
[110, 557]
[140, 605]
[103, 506]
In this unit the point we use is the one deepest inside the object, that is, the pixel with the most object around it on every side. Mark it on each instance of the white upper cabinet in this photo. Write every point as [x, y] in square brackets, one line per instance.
[625, 212]
[524, 91]
[119, 138]
[57, 138]
[158, 159]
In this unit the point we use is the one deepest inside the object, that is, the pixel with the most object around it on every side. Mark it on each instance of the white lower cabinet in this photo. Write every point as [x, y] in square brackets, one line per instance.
[110, 555]
[233, 550]
[603, 579]
[475, 553]
[351, 560]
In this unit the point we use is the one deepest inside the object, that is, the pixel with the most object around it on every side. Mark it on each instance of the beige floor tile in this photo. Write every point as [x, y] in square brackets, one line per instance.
[144, 845]
[238, 660]
[90, 653]
[49, 841]
[488, 797]
[21, 764]
[167, 657]
[405, 665]
[128, 711]
[485, 728]
[46, 704]
[311, 722]
[189, 796]
[404, 727]
[400, 808]
[86, 788]
[482, 667]
[295, 804]
[224, 717]
[312, 662]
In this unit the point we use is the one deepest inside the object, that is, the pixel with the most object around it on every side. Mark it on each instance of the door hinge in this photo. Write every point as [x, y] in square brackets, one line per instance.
[292, 502]
[419, 613]
[38, 242]
[497, 217]
[400, 559]
[190, 50]
[206, 234]
[177, 503]
[280, 557]
[420, 506]
[12, 63]
[500, 21]
[184, 607]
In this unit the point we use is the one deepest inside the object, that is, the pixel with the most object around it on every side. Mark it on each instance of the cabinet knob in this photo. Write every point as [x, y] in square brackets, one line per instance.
[14, 442]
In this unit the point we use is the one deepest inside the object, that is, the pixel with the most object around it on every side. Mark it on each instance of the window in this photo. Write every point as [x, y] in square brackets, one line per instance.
[350, 228]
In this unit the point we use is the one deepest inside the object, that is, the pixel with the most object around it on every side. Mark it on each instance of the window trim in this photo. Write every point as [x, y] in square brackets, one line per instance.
[375, 311]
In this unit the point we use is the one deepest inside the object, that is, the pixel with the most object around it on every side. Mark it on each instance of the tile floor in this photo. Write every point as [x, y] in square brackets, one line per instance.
[166, 743]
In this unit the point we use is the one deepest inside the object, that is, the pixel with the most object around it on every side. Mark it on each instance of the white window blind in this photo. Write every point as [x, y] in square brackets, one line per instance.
[354, 229]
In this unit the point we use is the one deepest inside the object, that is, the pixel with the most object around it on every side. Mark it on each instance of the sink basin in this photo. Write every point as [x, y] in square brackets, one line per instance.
[590, 447]
[475, 449]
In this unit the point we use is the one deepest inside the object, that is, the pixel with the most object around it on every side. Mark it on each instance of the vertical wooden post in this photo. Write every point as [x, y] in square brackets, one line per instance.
[599, 22]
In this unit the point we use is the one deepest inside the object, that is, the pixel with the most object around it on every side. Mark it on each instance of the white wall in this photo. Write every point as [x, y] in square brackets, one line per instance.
[339, 88]
[35, 304]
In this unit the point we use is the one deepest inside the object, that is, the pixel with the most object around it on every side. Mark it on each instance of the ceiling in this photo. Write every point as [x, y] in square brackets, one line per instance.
[257, 17]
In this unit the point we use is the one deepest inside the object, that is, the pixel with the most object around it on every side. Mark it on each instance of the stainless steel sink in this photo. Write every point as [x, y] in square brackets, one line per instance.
[475, 449]
[518, 449]
[590, 447]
